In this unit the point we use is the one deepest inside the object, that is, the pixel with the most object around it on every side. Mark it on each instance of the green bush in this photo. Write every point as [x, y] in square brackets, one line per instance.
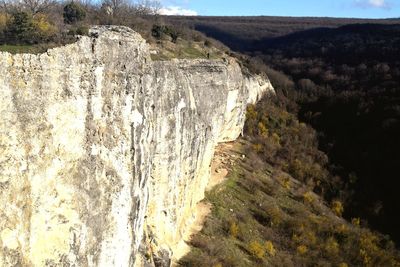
[21, 29]
[158, 31]
[73, 13]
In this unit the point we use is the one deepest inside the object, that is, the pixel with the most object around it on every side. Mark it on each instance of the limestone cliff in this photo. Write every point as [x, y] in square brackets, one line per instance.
[105, 153]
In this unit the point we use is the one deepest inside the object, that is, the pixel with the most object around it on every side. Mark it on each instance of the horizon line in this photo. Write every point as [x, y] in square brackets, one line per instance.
[279, 16]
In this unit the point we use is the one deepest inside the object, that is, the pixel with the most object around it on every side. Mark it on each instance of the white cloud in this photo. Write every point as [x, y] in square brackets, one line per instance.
[373, 4]
[177, 11]
[377, 3]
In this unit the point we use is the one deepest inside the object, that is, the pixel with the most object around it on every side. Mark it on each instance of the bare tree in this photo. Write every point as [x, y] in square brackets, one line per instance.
[36, 6]
[113, 7]
[7, 5]
[86, 3]
[141, 7]
[33, 6]
[148, 7]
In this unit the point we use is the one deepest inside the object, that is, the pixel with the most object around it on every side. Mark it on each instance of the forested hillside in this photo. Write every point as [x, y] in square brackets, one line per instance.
[241, 33]
[345, 81]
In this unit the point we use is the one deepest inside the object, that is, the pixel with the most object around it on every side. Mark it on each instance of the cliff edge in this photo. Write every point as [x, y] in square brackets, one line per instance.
[104, 153]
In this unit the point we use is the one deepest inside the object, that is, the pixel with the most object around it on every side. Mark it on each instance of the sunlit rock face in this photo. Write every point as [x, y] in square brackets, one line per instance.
[105, 153]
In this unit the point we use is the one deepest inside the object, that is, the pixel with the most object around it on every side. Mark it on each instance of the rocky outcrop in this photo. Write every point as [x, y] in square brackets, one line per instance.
[104, 153]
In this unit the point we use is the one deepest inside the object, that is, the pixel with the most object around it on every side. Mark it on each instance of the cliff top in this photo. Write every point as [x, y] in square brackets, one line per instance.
[163, 48]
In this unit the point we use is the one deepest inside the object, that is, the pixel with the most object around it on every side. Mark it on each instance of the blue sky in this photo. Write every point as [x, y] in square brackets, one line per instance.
[320, 8]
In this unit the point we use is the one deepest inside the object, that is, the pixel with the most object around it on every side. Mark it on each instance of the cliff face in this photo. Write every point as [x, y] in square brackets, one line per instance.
[104, 153]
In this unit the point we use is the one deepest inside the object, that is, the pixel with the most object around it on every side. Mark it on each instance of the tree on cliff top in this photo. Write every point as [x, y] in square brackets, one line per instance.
[143, 7]
[73, 13]
[20, 28]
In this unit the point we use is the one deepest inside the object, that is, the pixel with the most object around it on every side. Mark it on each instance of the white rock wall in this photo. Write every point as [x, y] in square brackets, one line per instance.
[104, 153]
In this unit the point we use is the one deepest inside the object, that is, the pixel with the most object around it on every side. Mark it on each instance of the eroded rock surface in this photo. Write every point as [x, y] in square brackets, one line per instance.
[104, 153]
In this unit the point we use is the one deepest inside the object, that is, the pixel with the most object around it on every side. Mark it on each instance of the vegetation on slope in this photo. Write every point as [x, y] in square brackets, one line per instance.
[351, 95]
[268, 213]
[345, 83]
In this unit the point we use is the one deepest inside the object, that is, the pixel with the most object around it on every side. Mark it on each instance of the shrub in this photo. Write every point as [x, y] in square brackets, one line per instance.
[270, 248]
[174, 35]
[308, 197]
[276, 139]
[234, 229]
[307, 237]
[158, 31]
[21, 29]
[251, 112]
[4, 17]
[286, 183]
[262, 130]
[279, 79]
[257, 250]
[44, 30]
[255, 65]
[3, 21]
[342, 229]
[275, 214]
[306, 85]
[257, 148]
[73, 13]
[365, 257]
[302, 249]
[298, 169]
[337, 207]
[356, 221]
[331, 246]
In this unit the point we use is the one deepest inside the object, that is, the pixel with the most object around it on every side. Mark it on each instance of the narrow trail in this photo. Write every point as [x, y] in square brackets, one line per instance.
[224, 157]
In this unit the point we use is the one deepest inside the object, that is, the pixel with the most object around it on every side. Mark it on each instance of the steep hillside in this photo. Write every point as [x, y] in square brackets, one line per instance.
[266, 213]
[347, 85]
[345, 82]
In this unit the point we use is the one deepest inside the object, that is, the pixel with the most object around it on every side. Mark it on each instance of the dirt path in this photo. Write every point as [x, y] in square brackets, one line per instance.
[218, 175]
[223, 157]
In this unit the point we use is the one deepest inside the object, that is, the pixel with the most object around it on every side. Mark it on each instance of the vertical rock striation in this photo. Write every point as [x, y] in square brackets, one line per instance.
[104, 153]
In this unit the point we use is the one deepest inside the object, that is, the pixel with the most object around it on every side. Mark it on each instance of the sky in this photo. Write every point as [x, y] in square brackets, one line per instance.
[318, 8]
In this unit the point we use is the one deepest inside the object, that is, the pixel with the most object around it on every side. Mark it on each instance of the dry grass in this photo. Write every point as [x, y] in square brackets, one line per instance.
[184, 49]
